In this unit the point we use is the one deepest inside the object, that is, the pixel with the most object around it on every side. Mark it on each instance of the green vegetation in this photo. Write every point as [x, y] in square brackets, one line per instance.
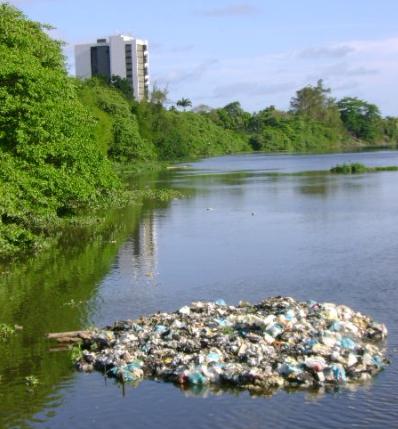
[274, 130]
[354, 168]
[58, 138]
[117, 127]
[135, 132]
[76, 352]
[362, 119]
[316, 122]
[63, 142]
[358, 168]
[50, 165]
[181, 135]
[184, 103]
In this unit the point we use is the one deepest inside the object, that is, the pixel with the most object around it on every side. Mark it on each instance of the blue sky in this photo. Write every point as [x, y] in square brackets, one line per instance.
[257, 52]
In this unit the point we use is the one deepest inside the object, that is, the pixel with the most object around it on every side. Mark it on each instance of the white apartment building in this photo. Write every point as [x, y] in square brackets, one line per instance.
[119, 55]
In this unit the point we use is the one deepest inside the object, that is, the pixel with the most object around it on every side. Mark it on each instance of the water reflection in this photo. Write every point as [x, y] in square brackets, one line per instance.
[319, 187]
[137, 258]
[312, 183]
[208, 391]
[49, 294]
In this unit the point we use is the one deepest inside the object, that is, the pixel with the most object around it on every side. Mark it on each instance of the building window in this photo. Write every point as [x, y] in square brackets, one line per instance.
[100, 62]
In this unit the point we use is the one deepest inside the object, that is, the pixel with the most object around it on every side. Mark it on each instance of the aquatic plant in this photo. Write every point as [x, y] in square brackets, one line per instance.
[358, 168]
[353, 168]
[76, 352]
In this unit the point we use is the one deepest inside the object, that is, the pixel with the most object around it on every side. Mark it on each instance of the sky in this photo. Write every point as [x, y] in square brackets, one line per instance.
[258, 52]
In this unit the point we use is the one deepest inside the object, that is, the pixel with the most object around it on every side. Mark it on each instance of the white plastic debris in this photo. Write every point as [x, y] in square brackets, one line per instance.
[277, 343]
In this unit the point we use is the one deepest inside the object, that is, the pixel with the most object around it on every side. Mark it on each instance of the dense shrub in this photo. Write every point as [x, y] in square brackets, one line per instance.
[49, 162]
[362, 119]
[279, 131]
[178, 135]
[316, 122]
[117, 126]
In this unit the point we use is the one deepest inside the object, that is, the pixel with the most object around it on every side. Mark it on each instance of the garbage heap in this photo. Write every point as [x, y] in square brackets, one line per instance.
[277, 343]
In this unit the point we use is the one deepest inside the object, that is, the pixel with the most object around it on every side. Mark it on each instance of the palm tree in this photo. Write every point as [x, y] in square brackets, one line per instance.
[184, 103]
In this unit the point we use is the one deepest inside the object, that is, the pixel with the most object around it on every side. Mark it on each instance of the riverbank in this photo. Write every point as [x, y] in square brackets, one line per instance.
[84, 220]
[141, 176]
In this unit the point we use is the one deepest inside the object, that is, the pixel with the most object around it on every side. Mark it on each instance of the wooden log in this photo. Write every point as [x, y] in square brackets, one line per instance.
[68, 340]
[71, 336]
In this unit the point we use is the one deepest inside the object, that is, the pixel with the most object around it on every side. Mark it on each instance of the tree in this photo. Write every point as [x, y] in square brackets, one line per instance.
[158, 95]
[314, 102]
[231, 116]
[360, 118]
[311, 100]
[390, 125]
[184, 103]
[123, 85]
[270, 116]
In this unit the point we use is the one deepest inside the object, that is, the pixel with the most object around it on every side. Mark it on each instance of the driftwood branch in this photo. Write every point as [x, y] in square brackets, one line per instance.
[69, 337]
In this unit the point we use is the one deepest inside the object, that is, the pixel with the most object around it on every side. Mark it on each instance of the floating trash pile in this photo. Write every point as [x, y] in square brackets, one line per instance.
[277, 343]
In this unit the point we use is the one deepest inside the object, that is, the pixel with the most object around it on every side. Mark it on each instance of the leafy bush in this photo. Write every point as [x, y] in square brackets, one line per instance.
[49, 161]
[362, 119]
[279, 131]
[179, 135]
[112, 110]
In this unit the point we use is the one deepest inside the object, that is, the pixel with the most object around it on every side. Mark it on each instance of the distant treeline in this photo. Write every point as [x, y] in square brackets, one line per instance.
[315, 122]
[60, 138]
[129, 131]
[147, 130]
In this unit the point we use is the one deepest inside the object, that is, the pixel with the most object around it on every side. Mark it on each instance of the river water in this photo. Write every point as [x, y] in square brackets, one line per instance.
[242, 232]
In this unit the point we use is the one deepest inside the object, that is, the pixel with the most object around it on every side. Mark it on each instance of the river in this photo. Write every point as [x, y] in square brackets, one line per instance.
[242, 232]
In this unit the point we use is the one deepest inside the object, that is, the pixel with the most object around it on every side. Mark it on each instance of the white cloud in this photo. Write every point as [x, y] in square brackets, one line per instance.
[326, 52]
[380, 47]
[363, 68]
[343, 69]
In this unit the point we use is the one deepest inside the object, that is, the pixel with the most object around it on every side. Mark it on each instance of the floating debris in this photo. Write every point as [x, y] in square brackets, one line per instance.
[6, 332]
[31, 381]
[277, 343]
[73, 303]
